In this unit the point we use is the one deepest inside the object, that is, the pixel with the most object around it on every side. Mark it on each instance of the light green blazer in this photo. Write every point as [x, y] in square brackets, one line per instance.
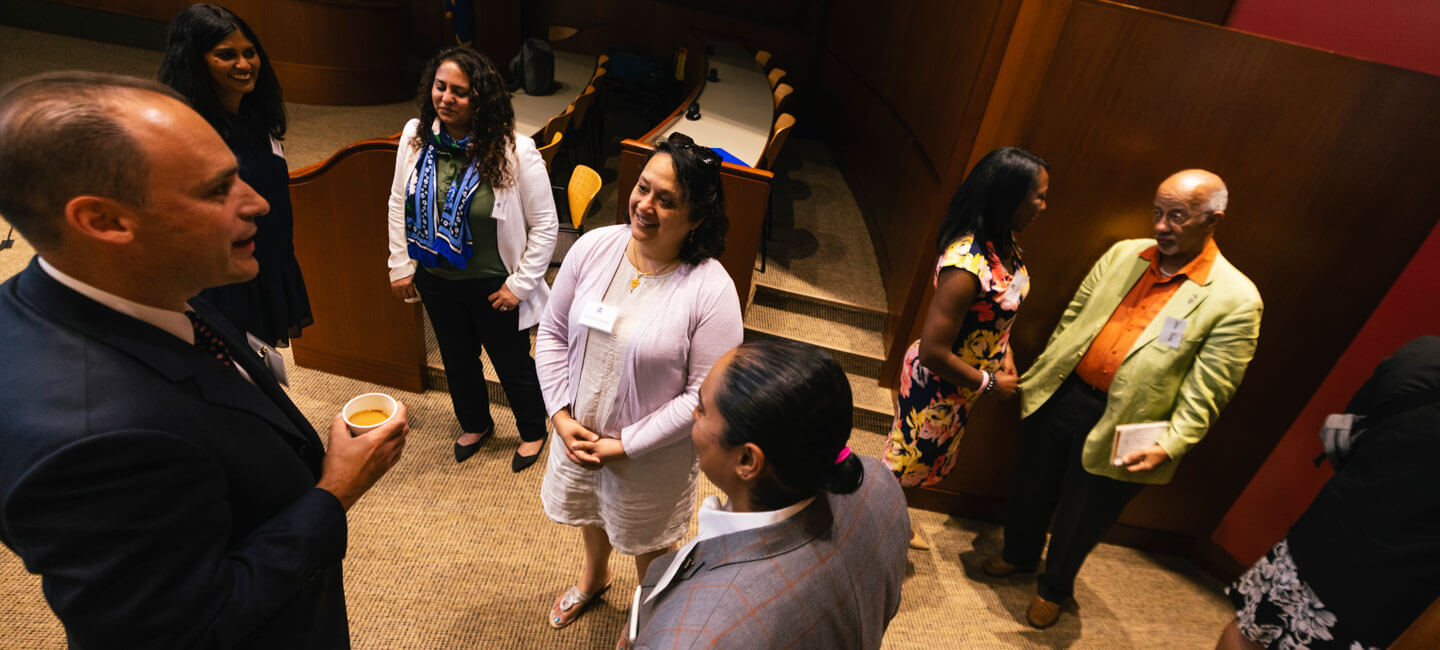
[1186, 386]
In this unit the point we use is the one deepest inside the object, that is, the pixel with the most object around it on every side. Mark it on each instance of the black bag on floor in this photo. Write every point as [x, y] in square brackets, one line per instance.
[533, 68]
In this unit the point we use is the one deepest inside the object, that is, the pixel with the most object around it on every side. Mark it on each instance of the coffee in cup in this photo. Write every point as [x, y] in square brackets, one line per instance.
[368, 411]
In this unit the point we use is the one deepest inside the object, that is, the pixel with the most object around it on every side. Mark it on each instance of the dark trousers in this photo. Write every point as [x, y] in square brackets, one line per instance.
[1049, 480]
[463, 320]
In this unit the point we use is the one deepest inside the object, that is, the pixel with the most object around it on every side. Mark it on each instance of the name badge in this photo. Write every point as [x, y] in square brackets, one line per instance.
[599, 316]
[277, 148]
[270, 357]
[1173, 331]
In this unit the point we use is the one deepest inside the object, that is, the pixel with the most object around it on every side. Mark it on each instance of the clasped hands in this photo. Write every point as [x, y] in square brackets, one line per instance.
[583, 446]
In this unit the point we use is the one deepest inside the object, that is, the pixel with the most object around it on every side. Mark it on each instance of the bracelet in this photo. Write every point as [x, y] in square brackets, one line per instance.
[985, 382]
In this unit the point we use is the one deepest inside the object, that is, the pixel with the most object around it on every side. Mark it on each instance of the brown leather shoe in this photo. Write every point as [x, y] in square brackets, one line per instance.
[1043, 613]
[996, 567]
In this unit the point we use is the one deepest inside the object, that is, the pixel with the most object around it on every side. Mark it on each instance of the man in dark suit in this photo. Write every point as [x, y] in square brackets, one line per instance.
[151, 468]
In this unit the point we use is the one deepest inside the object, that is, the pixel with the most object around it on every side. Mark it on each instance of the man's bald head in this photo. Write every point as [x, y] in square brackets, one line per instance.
[61, 137]
[1202, 190]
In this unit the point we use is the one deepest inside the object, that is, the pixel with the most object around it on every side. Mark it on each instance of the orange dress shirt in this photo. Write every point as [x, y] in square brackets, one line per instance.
[1135, 312]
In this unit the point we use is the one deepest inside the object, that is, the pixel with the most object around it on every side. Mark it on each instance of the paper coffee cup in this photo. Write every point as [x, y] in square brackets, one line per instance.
[368, 411]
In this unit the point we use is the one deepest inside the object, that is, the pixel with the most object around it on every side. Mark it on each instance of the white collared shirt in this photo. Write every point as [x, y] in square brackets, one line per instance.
[174, 322]
[715, 519]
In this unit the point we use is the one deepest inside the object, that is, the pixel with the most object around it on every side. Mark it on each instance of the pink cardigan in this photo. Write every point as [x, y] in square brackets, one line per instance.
[664, 363]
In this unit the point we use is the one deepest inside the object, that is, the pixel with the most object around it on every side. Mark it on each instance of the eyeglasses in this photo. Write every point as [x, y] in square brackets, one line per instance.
[1177, 218]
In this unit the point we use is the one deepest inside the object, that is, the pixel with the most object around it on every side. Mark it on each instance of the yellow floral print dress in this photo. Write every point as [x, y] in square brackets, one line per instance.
[933, 411]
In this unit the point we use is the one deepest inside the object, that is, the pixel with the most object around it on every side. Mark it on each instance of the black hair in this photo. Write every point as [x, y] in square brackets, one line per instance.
[792, 400]
[492, 118]
[193, 33]
[697, 170]
[986, 200]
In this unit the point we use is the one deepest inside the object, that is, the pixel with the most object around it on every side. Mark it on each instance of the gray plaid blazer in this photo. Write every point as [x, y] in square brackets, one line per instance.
[828, 577]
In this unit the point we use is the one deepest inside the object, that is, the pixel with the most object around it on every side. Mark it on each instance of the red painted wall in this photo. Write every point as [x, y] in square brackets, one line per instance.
[1397, 32]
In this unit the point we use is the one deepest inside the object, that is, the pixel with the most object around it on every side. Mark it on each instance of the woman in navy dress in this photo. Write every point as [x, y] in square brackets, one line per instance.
[217, 63]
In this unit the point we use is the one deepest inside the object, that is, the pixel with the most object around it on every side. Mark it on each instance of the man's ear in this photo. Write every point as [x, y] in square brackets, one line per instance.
[1215, 217]
[751, 461]
[101, 218]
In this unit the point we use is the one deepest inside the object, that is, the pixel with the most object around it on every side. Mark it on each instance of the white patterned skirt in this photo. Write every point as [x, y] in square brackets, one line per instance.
[643, 504]
[1277, 609]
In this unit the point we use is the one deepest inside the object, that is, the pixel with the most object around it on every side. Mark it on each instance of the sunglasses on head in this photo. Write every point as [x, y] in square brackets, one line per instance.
[707, 158]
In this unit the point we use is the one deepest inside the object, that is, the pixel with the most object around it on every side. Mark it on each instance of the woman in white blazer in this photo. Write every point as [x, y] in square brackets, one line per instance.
[472, 228]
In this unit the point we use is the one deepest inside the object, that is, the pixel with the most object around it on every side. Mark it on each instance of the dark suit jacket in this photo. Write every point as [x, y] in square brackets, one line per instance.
[165, 501]
[828, 577]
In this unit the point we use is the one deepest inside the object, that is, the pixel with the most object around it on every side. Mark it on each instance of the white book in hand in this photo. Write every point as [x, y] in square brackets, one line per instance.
[1130, 438]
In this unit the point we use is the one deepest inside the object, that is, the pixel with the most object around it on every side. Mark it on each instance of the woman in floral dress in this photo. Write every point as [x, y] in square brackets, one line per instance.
[964, 348]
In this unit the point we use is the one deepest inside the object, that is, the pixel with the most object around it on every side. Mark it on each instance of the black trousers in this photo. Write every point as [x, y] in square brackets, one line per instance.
[1049, 480]
[464, 321]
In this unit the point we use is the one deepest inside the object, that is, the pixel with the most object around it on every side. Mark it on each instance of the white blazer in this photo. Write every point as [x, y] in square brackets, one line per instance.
[525, 222]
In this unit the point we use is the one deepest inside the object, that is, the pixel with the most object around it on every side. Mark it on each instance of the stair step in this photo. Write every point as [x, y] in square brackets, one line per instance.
[874, 318]
[856, 347]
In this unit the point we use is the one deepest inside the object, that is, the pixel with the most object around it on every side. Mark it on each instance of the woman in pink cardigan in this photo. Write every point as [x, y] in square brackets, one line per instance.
[637, 316]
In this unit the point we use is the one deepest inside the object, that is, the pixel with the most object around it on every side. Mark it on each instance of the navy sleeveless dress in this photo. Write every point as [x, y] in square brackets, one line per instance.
[273, 306]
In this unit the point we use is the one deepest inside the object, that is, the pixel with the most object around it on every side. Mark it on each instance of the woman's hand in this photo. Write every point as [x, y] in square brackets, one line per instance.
[600, 452]
[1006, 383]
[572, 435]
[503, 300]
[404, 288]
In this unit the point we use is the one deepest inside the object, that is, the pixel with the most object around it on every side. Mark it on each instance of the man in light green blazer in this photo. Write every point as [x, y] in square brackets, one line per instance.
[1160, 331]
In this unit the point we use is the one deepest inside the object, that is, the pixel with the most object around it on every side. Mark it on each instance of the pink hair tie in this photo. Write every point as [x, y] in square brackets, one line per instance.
[844, 453]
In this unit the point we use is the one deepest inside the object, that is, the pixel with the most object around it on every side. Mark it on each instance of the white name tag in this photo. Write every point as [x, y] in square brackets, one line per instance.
[599, 316]
[270, 357]
[276, 147]
[1173, 331]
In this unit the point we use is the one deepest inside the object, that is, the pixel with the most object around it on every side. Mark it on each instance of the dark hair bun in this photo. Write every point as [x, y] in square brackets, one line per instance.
[845, 476]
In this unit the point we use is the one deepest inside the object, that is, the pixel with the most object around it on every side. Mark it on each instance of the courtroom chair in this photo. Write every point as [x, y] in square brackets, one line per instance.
[776, 74]
[782, 97]
[578, 202]
[778, 134]
[559, 124]
[548, 151]
[582, 124]
[763, 58]
[561, 32]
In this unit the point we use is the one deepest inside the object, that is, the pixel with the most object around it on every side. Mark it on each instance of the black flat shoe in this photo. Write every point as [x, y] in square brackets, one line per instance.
[519, 463]
[463, 452]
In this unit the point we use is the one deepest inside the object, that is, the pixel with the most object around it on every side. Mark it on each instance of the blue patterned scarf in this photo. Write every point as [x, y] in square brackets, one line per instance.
[440, 231]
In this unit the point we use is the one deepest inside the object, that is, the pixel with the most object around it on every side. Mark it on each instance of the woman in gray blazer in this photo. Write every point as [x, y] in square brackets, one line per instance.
[808, 547]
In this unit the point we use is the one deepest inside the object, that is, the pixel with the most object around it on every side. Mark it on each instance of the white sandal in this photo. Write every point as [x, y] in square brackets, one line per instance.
[572, 599]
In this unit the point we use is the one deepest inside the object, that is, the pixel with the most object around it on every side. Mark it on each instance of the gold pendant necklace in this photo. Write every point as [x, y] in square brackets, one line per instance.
[635, 255]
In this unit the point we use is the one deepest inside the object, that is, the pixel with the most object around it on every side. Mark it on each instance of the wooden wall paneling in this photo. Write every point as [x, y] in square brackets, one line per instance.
[1313, 146]
[747, 194]
[341, 241]
[498, 30]
[161, 10]
[334, 53]
[1206, 11]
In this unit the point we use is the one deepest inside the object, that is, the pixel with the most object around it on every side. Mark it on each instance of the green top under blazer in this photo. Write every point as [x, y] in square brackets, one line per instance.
[1187, 385]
